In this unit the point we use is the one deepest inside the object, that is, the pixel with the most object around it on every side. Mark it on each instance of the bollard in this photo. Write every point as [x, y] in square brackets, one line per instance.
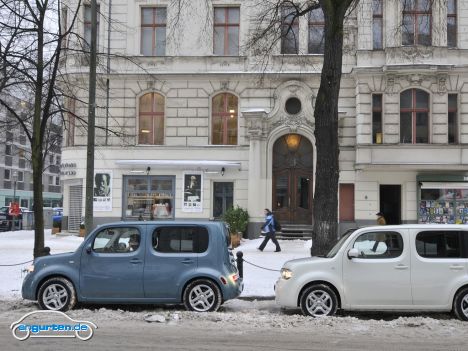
[240, 263]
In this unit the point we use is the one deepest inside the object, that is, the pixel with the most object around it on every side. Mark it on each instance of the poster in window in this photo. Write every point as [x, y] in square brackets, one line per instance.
[102, 199]
[192, 197]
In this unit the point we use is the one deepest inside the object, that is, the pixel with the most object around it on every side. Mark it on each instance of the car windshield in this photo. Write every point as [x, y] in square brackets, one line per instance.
[338, 245]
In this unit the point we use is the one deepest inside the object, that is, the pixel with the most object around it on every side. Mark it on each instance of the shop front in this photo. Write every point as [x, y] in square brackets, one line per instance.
[443, 199]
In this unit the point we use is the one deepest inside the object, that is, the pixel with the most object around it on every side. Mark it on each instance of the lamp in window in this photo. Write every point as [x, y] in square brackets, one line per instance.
[293, 141]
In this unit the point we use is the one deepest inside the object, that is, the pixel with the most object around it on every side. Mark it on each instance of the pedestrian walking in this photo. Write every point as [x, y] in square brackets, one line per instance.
[380, 218]
[269, 229]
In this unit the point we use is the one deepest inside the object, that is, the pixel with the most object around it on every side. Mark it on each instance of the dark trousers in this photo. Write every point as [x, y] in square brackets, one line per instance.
[268, 236]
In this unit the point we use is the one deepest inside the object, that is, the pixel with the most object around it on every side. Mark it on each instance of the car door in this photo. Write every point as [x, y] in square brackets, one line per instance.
[438, 266]
[112, 264]
[380, 276]
[171, 259]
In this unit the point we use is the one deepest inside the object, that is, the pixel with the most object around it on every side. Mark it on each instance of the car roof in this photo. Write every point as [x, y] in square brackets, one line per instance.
[168, 222]
[432, 226]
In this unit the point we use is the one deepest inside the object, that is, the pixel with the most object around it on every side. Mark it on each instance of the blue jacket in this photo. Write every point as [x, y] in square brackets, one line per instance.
[269, 225]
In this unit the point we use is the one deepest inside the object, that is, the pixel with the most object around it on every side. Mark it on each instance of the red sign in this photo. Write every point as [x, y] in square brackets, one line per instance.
[14, 209]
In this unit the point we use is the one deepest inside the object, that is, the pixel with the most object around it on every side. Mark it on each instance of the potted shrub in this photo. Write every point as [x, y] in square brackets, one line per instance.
[56, 226]
[82, 230]
[237, 219]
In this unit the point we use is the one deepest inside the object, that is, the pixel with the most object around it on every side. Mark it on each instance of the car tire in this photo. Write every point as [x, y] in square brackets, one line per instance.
[56, 294]
[202, 295]
[319, 300]
[460, 304]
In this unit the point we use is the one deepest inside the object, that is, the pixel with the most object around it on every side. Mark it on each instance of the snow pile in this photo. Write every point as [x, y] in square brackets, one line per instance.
[16, 247]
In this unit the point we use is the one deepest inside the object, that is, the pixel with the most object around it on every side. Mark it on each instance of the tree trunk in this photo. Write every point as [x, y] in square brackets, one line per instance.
[326, 133]
[36, 151]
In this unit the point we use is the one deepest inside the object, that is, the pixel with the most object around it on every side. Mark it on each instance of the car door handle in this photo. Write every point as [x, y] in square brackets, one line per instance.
[188, 261]
[457, 267]
[135, 260]
[401, 267]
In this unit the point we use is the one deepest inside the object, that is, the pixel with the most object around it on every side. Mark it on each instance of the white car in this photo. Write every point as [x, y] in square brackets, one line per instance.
[396, 268]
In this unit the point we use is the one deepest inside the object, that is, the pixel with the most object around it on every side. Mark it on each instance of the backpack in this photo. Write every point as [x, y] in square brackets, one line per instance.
[277, 225]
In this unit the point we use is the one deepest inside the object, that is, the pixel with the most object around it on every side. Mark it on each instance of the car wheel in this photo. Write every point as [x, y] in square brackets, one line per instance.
[460, 304]
[57, 294]
[202, 295]
[318, 301]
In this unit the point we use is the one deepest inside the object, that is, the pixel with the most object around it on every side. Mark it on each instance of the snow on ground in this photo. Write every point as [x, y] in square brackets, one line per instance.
[260, 282]
[17, 247]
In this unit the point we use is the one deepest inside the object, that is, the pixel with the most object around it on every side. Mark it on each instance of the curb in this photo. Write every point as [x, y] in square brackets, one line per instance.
[258, 298]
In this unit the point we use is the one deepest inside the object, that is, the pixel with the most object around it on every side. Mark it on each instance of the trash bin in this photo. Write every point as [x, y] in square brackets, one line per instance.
[28, 220]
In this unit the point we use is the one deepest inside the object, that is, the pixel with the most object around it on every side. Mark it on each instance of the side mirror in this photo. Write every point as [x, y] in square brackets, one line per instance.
[353, 253]
[88, 249]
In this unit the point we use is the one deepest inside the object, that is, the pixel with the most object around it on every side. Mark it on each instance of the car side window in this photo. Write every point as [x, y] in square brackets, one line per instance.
[174, 239]
[379, 245]
[439, 244]
[117, 240]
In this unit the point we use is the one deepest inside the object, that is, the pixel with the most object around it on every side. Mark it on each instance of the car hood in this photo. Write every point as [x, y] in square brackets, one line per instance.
[306, 261]
[53, 259]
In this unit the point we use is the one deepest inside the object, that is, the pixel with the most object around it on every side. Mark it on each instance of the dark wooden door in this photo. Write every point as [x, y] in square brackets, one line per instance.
[293, 181]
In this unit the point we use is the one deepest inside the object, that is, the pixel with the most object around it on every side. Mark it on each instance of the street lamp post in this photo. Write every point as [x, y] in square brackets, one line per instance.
[15, 178]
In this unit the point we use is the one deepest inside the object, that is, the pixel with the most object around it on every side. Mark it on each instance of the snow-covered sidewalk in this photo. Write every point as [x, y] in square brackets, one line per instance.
[17, 247]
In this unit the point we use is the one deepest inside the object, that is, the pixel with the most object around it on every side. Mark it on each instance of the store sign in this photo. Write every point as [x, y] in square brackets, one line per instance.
[102, 199]
[67, 168]
[192, 195]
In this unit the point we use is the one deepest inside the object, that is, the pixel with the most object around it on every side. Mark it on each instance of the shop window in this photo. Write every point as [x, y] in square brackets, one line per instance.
[148, 197]
[414, 117]
[151, 120]
[153, 31]
[417, 22]
[443, 204]
[223, 194]
[289, 30]
[377, 24]
[377, 135]
[226, 31]
[438, 244]
[452, 118]
[178, 239]
[87, 26]
[316, 31]
[224, 119]
[452, 23]
[379, 245]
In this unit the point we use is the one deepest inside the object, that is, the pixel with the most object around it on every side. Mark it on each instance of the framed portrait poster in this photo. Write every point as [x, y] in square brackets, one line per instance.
[102, 199]
[192, 194]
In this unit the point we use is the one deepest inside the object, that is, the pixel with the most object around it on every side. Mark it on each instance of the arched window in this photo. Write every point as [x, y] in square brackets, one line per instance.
[414, 116]
[224, 121]
[151, 119]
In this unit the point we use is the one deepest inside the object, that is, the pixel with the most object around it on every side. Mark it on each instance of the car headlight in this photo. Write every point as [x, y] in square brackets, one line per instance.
[286, 273]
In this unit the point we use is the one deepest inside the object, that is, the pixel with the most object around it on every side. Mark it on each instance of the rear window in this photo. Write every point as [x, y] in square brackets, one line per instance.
[174, 239]
[439, 244]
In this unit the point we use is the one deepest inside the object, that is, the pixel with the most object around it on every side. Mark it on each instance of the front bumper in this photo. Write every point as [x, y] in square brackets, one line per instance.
[285, 293]
[28, 290]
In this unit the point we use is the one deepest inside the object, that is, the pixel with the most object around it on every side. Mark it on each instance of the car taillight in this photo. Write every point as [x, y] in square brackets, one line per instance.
[223, 280]
[234, 277]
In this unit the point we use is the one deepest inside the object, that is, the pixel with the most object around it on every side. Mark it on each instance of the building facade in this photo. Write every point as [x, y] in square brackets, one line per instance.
[15, 165]
[198, 121]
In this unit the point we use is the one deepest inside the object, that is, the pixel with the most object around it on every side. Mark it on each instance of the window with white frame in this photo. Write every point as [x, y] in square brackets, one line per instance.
[153, 31]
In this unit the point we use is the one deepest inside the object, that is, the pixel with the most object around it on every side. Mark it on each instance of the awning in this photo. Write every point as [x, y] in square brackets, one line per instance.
[215, 165]
[444, 185]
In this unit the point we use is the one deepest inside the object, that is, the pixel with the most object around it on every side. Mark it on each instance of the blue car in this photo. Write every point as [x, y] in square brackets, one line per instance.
[140, 262]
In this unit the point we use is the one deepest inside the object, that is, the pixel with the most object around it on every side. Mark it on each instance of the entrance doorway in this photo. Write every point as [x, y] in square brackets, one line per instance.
[390, 203]
[293, 179]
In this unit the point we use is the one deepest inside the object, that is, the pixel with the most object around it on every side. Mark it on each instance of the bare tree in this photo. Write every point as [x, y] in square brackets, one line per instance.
[30, 52]
[270, 29]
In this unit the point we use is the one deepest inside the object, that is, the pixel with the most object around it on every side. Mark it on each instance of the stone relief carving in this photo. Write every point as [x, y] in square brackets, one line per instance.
[396, 82]
[442, 83]
[293, 122]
